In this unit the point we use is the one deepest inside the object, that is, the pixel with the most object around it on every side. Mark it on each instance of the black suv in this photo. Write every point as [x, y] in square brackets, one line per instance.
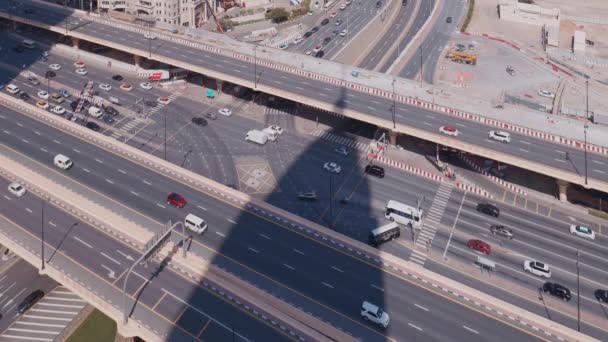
[325, 21]
[24, 96]
[319, 54]
[375, 170]
[307, 34]
[557, 290]
[117, 78]
[601, 295]
[30, 300]
[488, 209]
[110, 110]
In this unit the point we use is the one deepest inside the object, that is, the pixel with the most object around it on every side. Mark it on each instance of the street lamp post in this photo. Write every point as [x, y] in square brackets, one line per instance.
[394, 104]
[255, 67]
[42, 235]
[578, 295]
[165, 119]
[331, 211]
[585, 147]
[149, 41]
[420, 48]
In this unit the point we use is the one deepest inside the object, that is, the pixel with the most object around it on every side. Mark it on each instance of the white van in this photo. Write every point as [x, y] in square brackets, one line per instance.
[271, 133]
[195, 223]
[62, 162]
[12, 89]
[28, 43]
[257, 137]
[95, 112]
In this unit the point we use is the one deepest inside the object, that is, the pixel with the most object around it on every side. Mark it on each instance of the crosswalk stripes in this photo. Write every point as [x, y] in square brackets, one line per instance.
[427, 233]
[284, 110]
[340, 140]
[151, 110]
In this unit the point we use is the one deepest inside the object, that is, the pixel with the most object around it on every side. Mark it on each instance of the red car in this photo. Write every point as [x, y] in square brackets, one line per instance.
[479, 246]
[176, 200]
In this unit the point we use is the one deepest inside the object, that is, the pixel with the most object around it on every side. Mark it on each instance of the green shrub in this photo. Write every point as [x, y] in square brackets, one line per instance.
[277, 15]
[600, 214]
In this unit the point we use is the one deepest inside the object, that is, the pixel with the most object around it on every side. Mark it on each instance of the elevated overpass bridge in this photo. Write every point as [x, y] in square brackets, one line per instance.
[384, 101]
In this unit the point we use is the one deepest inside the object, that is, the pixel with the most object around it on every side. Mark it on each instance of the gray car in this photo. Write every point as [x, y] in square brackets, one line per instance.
[501, 231]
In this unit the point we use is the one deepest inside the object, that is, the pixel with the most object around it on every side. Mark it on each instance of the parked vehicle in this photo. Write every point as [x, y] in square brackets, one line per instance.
[271, 134]
[16, 189]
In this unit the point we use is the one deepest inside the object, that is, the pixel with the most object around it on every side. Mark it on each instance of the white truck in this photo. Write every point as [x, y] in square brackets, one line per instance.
[257, 137]
[271, 133]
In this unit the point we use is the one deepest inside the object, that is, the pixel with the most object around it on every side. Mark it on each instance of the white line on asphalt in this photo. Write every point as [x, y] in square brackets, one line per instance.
[75, 150]
[231, 221]
[7, 132]
[521, 149]
[600, 171]
[559, 160]
[220, 234]
[85, 170]
[19, 124]
[299, 252]
[37, 133]
[337, 269]
[134, 193]
[415, 327]
[121, 171]
[459, 124]
[559, 151]
[291, 268]
[160, 205]
[43, 150]
[203, 208]
[109, 181]
[25, 141]
[2, 116]
[146, 182]
[265, 237]
[377, 287]
[52, 224]
[372, 108]
[110, 258]
[430, 116]
[426, 123]
[56, 141]
[29, 210]
[254, 250]
[598, 162]
[469, 329]
[82, 242]
[326, 284]
[99, 161]
[8, 198]
[421, 307]
[278, 82]
[300, 88]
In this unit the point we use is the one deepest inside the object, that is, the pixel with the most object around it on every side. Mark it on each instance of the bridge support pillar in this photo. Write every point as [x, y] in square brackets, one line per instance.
[220, 85]
[392, 137]
[75, 43]
[563, 189]
[137, 61]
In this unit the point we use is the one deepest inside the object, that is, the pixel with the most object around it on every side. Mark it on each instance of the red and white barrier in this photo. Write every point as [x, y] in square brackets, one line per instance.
[411, 169]
[495, 179]
[473, 189]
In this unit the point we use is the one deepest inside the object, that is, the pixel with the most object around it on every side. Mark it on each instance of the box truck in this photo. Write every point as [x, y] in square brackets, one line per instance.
[257, 137]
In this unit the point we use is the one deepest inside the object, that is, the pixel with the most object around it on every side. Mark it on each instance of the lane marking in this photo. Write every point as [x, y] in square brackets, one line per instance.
[56, 141]
[426, 123]
[291, 268]
[82, 242]
[337, 269]
[121, 171]
[328, 285]
[109, 181]
[559, 160]
[265, 237]
[598, 162]
[254, 250]
[231, 221]
[220, 234]
[459, 124]
[146, 182]
[85, 170]
[299, 252]
[43, 150]
[421, 307]
[600, 171]
[134, 193]
[75, 150]
[469, 329]
[110, 258]
[526, 151]
[415, 327]
[99, 161]
[377, 287]
[160, 205]
[52, 224]
[198, 206]
[29, 210]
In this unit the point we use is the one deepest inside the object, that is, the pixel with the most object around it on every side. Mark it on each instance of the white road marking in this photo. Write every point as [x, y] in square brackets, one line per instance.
[598, 162]
[291, 268]
[559, 151]
[421, 307]
[377, 287]
[426, 123]
[203, 208]
[220, 234]
[326, 284]
[85, 170]
[415, 327]
[82, 242]
[146, 182]
[430, 117]
[57, 142]
[265, 237]
[254, 250]
[109, 181]
[526, 151]
[29, 210]
[371, 108]
[459, 124]
[19, 124]
[600, 171]
[299, 252]
[134, 193]
[52, 224]
[121, 171]
[110, 258]
[25, 141]
[231, 221]
[37, 133]
[160, 205]
[75, 150]
[43, 150]
[8, 198]
[559, 160]
[99, 161]
[337, 269]
[469, 329]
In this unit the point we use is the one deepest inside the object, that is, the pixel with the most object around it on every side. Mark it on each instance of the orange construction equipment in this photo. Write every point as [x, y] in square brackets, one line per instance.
[462, 57]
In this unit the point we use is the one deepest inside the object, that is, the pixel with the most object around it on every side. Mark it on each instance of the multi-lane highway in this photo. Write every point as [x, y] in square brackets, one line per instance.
[474, 134]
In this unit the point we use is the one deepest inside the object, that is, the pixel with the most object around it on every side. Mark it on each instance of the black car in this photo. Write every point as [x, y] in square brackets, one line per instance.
[197, 120]
[314, 29]
[501, 231]
[319, 54]
[448, 20]
[33, 80]
[150, 103]
[338, 22]
[24, 96]
[50, 74]
[335, 32]
[378, 4]
[18, 48]
[74, 104]
[375, 170]
[93, 126]
[108, 118]
[601, 295]
[110, 110]
[211, 116]
[488, 209]
[557, 290]
[326, 40]
[325, 21]
[307, 34]
[117, 78]
[68, 115]
[30, 300]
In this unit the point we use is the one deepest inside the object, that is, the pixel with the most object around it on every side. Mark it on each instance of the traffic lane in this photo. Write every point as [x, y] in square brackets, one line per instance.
[413, 65]
[479, 279]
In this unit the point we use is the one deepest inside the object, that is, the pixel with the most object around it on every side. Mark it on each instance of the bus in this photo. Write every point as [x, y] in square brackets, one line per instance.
[404, 214]
[28, 43]
[383, 234]
[328, 4]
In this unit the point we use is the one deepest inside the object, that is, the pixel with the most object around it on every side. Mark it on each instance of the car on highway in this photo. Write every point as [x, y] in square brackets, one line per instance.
[42, 104]
[375, 170]
[49, 74]
[110, 110]
[338, 22]
[325, 21]
[333, 14]
[33, 80]
[343, 7]
[326, 40]
[317, 48]
[197, 120]
[117, 78]
[16, 189]
[449, 130]
[341, 150]
[79, 65]
[163, 100]
[448, 20]
[480, 246]
[43, 95]
[502, 231]
[225, 112]
[308, 53]
[546, 93]
[308, 195]
[211, 116]
[557, 290]
[298, 40]
[93, 126]
[30, 301]
[375, 314]
[105, 86]
[335, 32]
[582, 231]
[501, 136]
[82, 72]
[537, 268]
[68, 115]
[343, 33]
[24, 96]
[497, 173]
[348, 2]
[55, 66]
[58, 110]
[488, 209]
[510, 70]
[108, 118]
[283, 46]
[64, 93]
[307, 34]
[57, 98]
[145, 85]
[378, 4]
[278, 129]
[319, 54]
[149, 35]
[176, 200]
[12, 89]
[126, 87]
[601, 295]
[332, 167]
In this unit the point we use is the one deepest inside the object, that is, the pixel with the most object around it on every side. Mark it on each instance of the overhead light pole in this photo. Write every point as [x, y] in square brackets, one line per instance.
[585, 147]
[255, 67]
[42, 234]
[578, 294]
[394, 104]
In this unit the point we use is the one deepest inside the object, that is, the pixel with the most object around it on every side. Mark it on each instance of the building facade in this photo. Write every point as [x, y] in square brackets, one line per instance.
[168, 12]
